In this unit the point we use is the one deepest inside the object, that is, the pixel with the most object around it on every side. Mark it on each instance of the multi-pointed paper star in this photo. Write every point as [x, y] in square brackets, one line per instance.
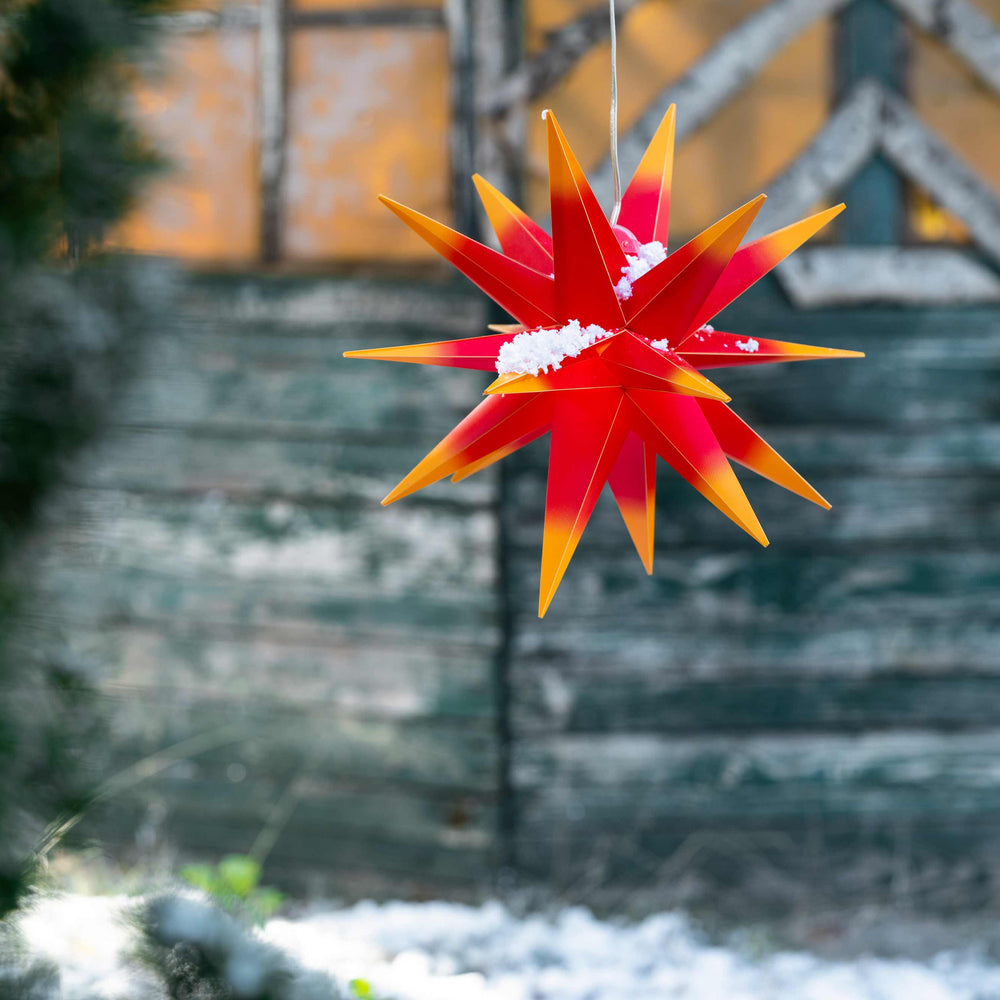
[610, 335]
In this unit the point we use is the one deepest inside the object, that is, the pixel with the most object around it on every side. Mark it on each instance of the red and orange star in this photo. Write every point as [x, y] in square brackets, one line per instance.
[617, 404]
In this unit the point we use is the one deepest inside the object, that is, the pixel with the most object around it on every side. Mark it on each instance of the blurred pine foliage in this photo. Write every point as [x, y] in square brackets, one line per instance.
[71, 164]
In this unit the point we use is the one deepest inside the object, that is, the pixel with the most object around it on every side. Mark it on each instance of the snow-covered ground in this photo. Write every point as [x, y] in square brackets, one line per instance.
[442, 951]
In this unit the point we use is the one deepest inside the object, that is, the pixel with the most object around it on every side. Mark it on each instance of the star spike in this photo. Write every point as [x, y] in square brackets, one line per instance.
[610, 247]
[495, 422]
[752, 262]
[495, 456]
[626, 394]
[744, 445]
[587, 434]
[665, 375]
[716, 349]
[478, 353]
[683, 438]
[520, 237]
[582, 373]
[633, 483]
[668, 312]
[526, 294]
[649, 285]
[646, 203]
[584, 286]
[639, 364]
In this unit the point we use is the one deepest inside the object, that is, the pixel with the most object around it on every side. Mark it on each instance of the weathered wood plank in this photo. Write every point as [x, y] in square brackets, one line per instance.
[553, 697]
[450, 306]
[837, 276]
[76, 595]
[402, 676]
[269, 385]
[825, 645]
[887, 512]
[252, 466]
[610, 778]
[767, 866]
[272, 389]
[325, 817]
[707, 589]
[952, 449]
[273, 740]
[394, 551]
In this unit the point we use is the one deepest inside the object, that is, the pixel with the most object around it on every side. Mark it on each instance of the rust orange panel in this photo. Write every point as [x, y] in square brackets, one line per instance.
[202, 114]
[368, 115]
[737, 152]
[966, 114]
[755, 136]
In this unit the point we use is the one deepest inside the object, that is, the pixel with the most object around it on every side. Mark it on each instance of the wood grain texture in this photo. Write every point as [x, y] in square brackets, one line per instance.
[753, 727]
[221, 563]
[749, 728]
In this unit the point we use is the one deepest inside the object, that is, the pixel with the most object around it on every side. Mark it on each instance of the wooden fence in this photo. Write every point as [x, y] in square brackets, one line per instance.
[381, 711]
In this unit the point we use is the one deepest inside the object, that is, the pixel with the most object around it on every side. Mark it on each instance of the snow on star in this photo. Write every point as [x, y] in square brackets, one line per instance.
[606, 353]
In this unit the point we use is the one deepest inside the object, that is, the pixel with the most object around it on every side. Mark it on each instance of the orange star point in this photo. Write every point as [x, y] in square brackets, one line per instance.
[633, 393]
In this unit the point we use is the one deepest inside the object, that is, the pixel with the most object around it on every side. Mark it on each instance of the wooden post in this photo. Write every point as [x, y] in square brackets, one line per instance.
[272, 103]
[870, 44]
[498, 51]
[458, 18]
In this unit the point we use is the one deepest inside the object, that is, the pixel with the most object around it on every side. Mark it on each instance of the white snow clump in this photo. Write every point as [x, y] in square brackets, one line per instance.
[664, 345]
[750, 346]
[537, 351]
[650, 254]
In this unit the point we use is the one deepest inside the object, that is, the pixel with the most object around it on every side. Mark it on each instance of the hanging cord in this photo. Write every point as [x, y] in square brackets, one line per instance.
[616, 179]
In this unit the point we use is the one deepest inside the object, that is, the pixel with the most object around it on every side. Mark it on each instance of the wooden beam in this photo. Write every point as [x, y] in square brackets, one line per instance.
[458, 16]
[498, 33]
[498, 51]
[370, 17]
[245, 16]
[870, 45]
[965, 29]
[564, 48]
[817, 277]
[839, 150]
[873, 121]
[272, 101]
[919, 154]
[193, 22]
[719, 75]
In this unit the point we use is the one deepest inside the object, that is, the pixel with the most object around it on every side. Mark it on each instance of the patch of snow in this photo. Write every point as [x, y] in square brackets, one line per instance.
[537, 351]
[444, 951]
[650, 254]
[750, 346]
[664, 345]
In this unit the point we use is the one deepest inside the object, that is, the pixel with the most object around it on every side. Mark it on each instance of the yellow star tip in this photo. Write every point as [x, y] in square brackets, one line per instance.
[496, 387]
[544, 601]
[698, 385]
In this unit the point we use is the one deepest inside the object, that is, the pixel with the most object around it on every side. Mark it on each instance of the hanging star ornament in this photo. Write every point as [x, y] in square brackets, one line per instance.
[606, 353]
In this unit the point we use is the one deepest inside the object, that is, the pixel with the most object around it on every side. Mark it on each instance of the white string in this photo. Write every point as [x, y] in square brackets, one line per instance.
[616, 179]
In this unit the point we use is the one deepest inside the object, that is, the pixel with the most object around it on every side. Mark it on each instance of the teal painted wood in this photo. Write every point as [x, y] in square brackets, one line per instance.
[702, 732]
[222, 563]
[749, 727]
[870, 45]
